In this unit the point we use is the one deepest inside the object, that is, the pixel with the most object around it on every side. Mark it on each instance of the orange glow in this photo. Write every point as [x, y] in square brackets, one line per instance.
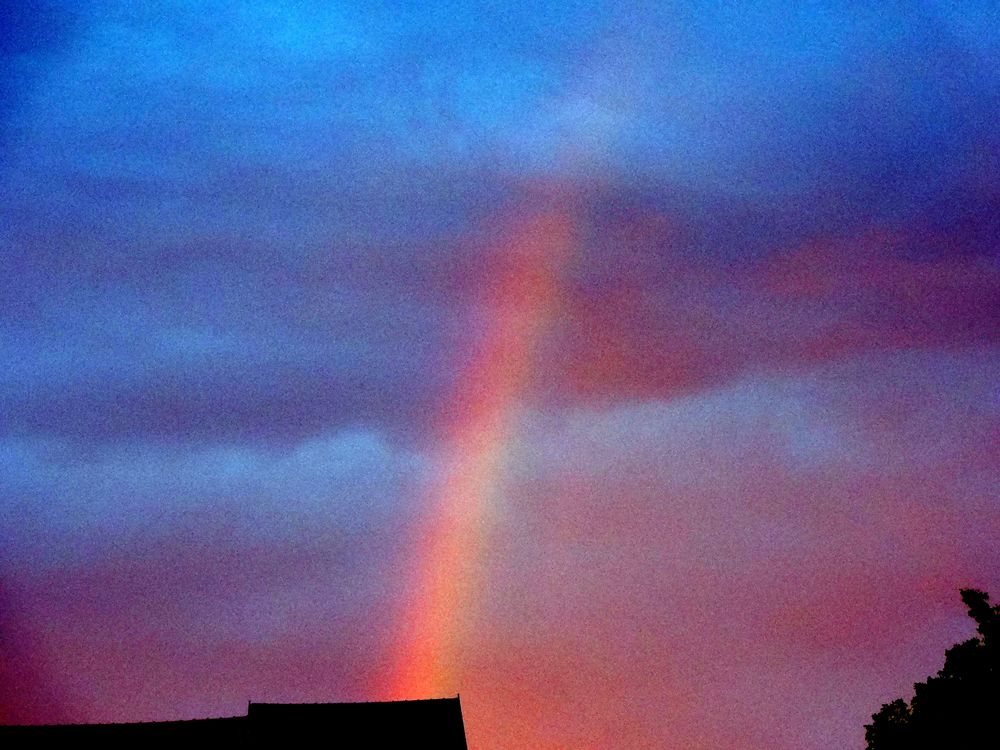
[448, 569]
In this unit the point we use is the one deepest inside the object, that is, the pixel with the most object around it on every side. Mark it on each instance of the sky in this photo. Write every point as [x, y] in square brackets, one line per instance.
[629, 369]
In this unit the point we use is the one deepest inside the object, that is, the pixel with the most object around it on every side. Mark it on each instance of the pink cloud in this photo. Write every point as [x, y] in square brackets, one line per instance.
[660, 322]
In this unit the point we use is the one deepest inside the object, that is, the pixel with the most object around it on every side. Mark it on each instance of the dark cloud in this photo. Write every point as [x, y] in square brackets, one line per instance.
[662, 295]
[328, 195]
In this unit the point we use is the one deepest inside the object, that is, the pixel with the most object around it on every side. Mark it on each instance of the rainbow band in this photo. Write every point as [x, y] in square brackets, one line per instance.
[440, 604]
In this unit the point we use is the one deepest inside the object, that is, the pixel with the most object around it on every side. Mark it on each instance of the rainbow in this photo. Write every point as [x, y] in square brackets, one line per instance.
[448, 570]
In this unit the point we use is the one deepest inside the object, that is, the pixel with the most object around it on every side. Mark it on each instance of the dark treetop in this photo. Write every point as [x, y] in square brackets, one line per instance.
[958, 707]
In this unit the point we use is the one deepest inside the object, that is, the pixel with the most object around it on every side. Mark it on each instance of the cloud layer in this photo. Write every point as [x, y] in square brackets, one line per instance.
[250, 251]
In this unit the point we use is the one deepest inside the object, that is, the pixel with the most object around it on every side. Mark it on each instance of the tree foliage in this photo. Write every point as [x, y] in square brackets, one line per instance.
[958, 708]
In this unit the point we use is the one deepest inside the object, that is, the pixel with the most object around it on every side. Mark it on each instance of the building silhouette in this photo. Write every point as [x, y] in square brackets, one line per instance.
[435, 724]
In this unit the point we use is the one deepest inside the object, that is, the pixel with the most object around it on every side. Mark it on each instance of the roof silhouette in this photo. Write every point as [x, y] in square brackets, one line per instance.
[435, 723]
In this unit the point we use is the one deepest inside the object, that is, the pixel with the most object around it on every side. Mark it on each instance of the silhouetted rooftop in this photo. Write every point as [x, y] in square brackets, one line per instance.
[435, 723]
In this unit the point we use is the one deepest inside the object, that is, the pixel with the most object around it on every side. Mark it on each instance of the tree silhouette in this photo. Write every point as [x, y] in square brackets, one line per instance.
[958, 707]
